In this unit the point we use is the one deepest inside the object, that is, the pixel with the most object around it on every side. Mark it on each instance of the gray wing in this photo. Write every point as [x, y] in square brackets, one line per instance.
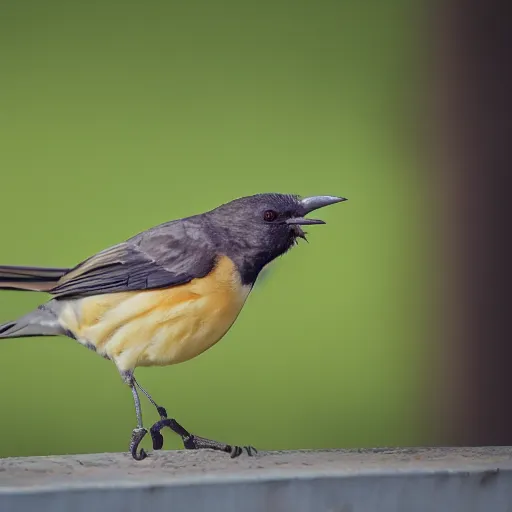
[165, 256]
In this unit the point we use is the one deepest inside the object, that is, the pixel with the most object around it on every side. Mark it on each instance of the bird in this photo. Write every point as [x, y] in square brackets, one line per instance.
[165, 295]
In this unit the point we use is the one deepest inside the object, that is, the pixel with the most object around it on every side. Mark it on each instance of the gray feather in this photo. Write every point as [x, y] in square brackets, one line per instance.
[40, 322]
[167, 255]
[29, 278]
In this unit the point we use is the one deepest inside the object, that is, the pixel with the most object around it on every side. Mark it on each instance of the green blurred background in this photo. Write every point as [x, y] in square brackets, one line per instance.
[116, 116]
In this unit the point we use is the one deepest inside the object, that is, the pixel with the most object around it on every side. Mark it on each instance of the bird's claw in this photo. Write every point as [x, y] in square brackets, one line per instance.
[156, 436]
[137, 436]
[236, 451]
[158, 439]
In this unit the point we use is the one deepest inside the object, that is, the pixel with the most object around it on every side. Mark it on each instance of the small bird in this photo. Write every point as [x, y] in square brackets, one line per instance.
[165, 295]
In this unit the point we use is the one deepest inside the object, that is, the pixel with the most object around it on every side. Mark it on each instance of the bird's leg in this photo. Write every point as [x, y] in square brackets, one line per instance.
[190, 441]
[139, 432]
[161, 410]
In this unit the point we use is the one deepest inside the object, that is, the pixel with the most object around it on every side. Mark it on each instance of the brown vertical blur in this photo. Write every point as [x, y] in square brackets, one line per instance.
[471, 146]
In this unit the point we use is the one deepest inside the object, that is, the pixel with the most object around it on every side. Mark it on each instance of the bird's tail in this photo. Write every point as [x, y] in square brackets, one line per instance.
[40, 322]
[34, 279]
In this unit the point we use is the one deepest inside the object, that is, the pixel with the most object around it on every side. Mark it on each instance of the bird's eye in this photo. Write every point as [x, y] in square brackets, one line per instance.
[269, 216]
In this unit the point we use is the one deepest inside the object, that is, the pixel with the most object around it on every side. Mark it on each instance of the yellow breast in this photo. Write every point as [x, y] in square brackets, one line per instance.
[159, 327]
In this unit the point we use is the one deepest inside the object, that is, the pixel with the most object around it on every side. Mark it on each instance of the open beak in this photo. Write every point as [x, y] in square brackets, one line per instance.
[310, 204]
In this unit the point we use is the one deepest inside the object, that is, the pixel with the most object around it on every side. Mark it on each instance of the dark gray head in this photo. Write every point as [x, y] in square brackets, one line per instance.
[254, 230]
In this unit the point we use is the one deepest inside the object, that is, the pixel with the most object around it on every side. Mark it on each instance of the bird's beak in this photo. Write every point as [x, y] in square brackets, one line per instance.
[310, 204]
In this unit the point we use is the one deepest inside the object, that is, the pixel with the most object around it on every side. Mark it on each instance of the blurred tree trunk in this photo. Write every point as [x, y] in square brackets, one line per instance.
[472, 143]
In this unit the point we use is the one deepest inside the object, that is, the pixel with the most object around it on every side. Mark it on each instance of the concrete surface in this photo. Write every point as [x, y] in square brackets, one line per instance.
[383, 480]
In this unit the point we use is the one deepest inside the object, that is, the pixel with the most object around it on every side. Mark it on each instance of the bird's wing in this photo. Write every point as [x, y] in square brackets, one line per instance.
[165, 256]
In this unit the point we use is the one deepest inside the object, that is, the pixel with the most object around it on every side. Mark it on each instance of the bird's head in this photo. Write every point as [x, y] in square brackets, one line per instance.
[257, 229]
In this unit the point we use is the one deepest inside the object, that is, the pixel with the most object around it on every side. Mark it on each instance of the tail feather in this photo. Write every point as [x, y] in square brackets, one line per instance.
[40, 322]
[30, 278]
[6, 328]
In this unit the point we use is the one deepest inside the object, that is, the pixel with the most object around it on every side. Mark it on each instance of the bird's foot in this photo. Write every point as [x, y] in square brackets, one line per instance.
[193, 442]
[137, 436]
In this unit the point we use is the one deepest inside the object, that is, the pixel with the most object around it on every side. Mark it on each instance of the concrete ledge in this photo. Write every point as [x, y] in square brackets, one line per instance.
[383, 480]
